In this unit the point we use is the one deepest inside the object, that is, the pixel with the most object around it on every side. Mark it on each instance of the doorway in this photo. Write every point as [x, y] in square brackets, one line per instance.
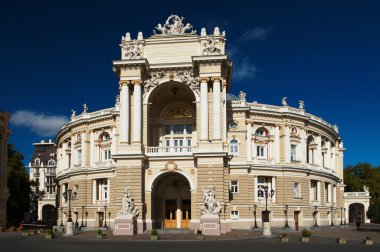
[171, 201]
[296, 220]
[100, 219]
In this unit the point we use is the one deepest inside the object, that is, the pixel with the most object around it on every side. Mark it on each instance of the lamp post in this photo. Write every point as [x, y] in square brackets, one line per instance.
[82, 224]
[315, 217]
[331, 211]
[86, 219]
[267, 194]
[286, 217]
[105, 217]
[69, 195]
[254, 213]
[345, 223]
[61, 217]
[341, 216]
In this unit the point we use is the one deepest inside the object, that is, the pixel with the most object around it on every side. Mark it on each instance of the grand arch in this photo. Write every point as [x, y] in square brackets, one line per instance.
[171, 201]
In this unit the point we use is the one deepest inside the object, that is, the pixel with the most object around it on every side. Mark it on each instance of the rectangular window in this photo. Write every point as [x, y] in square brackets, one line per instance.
[297, 190]
[293, 152]
[168, 129]
[234, 187]
[260, 151]
[101, 189]
[327, 197]
[262, 182]
[107, 154]
[189, 128]
[79, 157]
[234, 215]
[314, 190]
[178, 129]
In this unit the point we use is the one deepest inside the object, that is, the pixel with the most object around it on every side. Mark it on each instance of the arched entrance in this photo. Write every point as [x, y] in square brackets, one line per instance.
[171, 201]
[356, 211]
[49, 215]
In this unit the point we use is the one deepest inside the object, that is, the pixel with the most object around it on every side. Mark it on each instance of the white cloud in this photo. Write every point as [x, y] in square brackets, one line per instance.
[44, 125]
[257, 33]
[245, 69]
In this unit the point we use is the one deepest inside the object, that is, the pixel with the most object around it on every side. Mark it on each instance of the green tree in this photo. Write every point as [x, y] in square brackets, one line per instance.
[19, 187]
[373, 212]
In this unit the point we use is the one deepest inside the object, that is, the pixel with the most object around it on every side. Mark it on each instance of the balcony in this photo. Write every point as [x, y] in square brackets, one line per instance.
[170, 151]
[50, 173]
[264, 161]
[36, 174]
[104, 164]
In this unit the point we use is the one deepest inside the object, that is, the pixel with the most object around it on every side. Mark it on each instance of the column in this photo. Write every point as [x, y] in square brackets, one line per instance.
[113, 141]
[277, 143]
[318, 152]
[249, 142]
[204, 110]
[319, 192]
[84, 149]
[137, 112]
[92, 148]
[94, 191]
[287, 145]
[255, 189]
[274, 188]
[217, 112]
[124, 111]
[109, 190]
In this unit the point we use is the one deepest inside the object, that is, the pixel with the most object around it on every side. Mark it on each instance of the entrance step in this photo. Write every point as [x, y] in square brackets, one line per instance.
[174, 231]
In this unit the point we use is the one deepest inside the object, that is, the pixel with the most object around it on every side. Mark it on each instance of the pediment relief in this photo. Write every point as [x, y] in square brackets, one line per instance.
[178, 112]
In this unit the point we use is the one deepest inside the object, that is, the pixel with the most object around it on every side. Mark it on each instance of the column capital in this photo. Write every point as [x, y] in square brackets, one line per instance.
[217, 78]
[203, 79]
[123, 83]
[136, 82]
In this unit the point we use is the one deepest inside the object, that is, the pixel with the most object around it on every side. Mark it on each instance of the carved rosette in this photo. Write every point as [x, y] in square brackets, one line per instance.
[210, 206]
[133, 50]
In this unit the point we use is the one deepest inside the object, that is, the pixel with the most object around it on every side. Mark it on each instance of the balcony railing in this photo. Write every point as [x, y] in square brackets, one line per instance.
[264, 161]
[170, 150]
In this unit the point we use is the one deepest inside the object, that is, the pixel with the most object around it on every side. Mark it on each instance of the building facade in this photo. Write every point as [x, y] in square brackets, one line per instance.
[42, 167]
[176, 130]
[4, 192]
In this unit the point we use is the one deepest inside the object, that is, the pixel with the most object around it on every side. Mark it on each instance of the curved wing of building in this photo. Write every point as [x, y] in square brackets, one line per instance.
[186, 149]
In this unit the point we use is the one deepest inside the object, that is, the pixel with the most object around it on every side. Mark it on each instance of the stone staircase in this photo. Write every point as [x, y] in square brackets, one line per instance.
[174, 231]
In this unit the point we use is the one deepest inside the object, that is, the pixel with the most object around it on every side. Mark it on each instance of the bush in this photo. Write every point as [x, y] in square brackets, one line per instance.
[368, 238]
[49, 231]
[199, 232]
[154, 232]
[306, 233]
[284, 235]
[99, 232]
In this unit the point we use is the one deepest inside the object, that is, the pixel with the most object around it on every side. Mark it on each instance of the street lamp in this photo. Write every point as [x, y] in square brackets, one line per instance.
[81, 225]
[341, 216]
[254, 213]
[267, 194]
[105, 217]
[345, 223]
[61, 217]
[331, 213]
[286, 216]
[69, 195]
[315, 217]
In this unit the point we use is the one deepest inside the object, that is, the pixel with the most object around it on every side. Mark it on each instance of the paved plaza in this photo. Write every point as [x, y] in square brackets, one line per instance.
[239, 240]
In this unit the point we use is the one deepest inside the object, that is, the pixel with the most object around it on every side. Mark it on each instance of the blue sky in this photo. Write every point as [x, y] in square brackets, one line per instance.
[55, 56]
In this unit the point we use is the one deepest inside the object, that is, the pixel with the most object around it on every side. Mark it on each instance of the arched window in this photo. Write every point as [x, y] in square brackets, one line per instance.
[104, 147]
[310, 150]
[234, 147]
[51, 162]
[37, 161]
[262, 140]
[262, 132]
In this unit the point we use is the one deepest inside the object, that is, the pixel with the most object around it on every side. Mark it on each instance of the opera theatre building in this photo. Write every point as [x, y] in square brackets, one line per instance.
[179, 151]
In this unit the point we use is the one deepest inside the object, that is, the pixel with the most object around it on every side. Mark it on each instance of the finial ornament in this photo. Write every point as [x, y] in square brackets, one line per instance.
[302, 105]
[73, 114]
[174, 25]
[284, 103]
[242, 96]
[85, 108]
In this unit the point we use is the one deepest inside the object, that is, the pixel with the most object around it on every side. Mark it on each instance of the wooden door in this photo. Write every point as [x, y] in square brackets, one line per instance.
[186, 217]
[170, 214]
[296, 220]
[101, 218]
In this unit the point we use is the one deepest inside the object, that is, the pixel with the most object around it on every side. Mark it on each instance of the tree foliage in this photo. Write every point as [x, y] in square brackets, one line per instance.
[19, 187]
[355, 177]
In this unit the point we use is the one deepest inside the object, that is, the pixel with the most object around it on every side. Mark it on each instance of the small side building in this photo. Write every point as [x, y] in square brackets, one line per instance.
[43, 172]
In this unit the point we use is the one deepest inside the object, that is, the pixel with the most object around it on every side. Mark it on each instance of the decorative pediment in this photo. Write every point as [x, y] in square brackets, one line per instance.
[179, 112]
[170, 167]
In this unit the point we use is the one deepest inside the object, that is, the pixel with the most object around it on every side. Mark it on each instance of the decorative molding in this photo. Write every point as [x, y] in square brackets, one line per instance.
[179, 112]
[174, 25]
[133, 50]
[128, 205]
[170, 166]
[210, 47]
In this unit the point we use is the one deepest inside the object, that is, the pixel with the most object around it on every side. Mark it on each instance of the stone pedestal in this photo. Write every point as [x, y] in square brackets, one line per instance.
[266, 231]
[210, 224]
[69, 228]
[225, 226]
[125, 225]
